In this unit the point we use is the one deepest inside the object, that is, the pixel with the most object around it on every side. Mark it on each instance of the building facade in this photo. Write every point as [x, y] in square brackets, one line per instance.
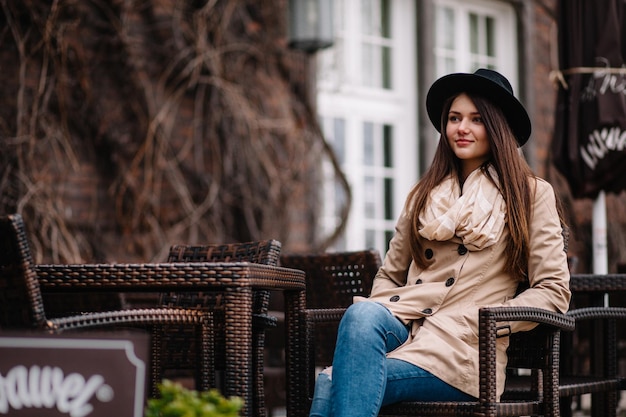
[371, 88]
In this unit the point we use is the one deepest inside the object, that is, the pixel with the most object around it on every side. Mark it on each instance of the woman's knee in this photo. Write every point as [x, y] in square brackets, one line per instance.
[364, 322]
[365, 312]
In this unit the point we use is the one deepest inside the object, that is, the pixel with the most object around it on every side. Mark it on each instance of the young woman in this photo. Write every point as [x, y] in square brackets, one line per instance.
[475, 226]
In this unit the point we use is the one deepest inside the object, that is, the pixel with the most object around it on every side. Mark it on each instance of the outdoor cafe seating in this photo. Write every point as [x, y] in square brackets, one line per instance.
[543, 374]
[541, 379]
[24, 286]
[266, 252]
[338, 277]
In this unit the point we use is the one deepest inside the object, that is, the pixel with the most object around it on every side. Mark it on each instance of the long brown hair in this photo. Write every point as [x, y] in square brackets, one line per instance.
[514, 183]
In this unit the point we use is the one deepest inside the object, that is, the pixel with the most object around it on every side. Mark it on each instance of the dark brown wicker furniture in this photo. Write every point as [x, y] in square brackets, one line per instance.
[332, 280]
[22, 306]
[235, 281]
[603, 381]
[266, 252]
[22, 287]
[537, 350]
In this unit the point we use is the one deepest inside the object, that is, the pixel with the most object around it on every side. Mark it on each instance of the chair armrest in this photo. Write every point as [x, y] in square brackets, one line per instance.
[591, 313]
[489, 317]
[324, 315]
[537, 315]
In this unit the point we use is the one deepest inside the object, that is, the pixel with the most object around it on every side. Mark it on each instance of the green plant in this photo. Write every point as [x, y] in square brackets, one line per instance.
[178, 401]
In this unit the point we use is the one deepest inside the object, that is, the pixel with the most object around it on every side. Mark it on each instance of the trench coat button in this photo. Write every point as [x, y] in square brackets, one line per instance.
[394, 298]
[427, 311]
[429, 253]
[462, 250]
[449, 282]
[419, 281]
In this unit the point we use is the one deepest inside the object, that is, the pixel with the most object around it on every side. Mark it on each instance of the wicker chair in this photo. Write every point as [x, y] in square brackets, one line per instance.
[265, 252]
[537, 350]
[332, 279]
[603, 381]
[22, 307]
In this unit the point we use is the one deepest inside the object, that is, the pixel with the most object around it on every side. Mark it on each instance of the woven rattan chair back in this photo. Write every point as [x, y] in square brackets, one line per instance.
[332, 280]
[21, 303]
[266, 252]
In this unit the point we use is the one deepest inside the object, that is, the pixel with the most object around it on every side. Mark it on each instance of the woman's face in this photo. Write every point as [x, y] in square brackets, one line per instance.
[467, 135]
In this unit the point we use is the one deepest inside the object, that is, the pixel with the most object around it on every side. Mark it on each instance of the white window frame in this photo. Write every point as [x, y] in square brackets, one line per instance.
[506, 50]
[342, 95]
[506, 55]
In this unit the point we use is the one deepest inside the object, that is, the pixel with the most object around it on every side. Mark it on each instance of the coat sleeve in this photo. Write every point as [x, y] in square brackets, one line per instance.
[548, 273]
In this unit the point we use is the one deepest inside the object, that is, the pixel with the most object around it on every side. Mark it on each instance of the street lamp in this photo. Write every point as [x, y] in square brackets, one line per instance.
[310, 24]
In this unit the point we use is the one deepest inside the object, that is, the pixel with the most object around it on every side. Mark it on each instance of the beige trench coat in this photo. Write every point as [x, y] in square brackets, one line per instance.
[442, 301]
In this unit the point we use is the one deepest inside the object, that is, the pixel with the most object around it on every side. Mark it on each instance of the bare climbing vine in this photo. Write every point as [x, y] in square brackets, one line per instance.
[130, 125]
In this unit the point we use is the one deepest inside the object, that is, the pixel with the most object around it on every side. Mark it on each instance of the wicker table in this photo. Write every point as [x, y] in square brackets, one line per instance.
[235, 281]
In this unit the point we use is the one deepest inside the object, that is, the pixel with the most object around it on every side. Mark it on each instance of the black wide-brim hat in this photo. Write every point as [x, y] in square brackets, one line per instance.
[486, 83]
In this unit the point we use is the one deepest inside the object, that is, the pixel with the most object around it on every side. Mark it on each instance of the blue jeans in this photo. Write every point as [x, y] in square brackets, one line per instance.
[363, 378]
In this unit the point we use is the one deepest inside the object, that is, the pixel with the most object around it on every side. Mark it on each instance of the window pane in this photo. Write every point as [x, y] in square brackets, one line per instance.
[386, 70]
[490, 33]
[474, 33]
[388, 236]
[376, 17]
[370, 238]
[368, 144]
[385, 17]
[369, 194]
[376, 54]
[368, 65]
[388, 198]
[445, 27]
[376, 66]
[339, 139]
[388, 146]
[368, 17]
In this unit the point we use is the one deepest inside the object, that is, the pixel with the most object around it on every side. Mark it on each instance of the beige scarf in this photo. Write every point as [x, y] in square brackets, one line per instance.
[477, 216]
